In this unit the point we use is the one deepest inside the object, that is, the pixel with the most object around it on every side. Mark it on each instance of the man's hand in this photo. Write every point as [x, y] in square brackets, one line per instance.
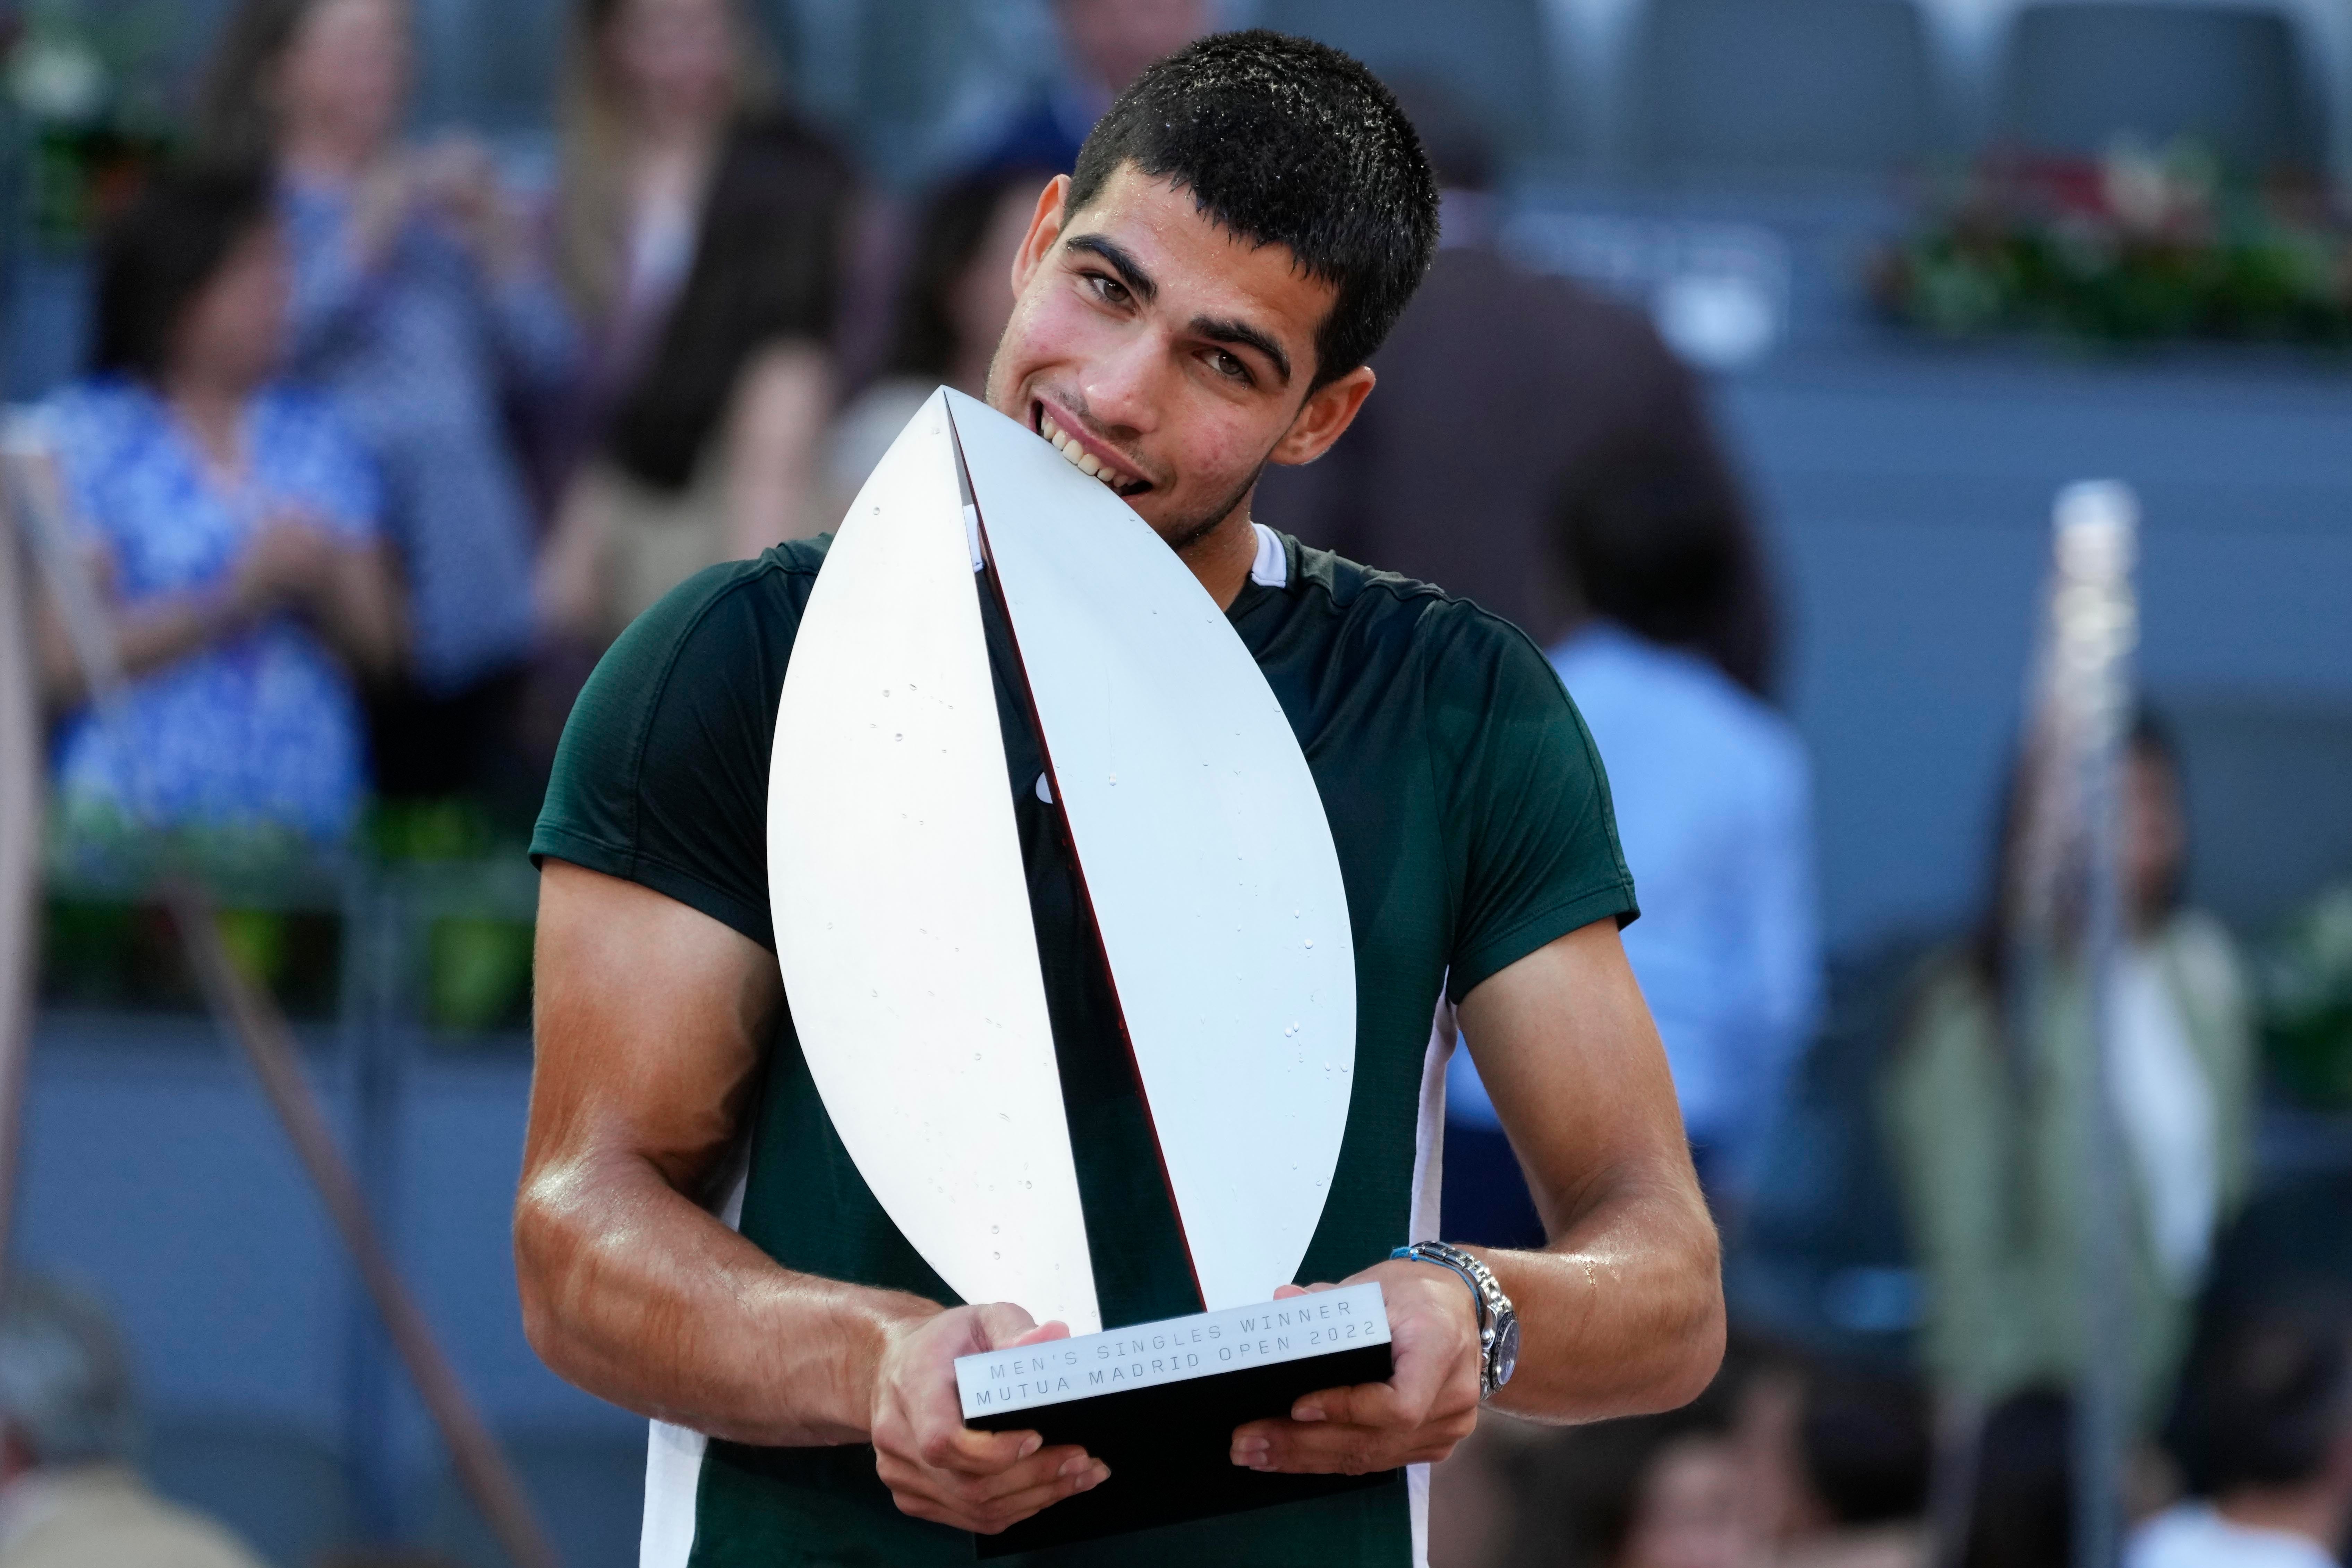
[936, 1467]
[1429, 1404]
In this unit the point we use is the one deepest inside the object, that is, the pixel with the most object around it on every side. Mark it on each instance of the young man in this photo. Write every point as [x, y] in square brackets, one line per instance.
[1197, 302]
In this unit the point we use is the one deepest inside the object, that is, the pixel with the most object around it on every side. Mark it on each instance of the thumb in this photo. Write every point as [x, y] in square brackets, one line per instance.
[997, 1324]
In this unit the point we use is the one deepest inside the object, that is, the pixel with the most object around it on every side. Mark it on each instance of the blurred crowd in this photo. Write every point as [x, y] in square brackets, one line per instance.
[376, 453]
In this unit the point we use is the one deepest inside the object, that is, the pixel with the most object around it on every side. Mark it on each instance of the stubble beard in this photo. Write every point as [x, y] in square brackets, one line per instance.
[1182, 535]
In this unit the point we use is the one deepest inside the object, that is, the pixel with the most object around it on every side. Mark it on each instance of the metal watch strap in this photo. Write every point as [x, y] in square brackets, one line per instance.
[1494, 1307]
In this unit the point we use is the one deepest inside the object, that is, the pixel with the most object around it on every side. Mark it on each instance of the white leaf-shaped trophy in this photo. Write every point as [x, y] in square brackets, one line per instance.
[1205, 852]
[902, 920]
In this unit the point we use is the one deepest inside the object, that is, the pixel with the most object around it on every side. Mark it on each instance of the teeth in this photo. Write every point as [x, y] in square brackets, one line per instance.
[1086, 462]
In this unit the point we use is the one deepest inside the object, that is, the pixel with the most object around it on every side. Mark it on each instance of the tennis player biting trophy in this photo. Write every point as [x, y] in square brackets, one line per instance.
[709, 1230]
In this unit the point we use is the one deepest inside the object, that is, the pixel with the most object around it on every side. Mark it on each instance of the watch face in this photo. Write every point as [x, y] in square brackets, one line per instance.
[1506, 1351]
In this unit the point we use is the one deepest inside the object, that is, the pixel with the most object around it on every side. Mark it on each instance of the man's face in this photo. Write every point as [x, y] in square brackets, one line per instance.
[1164, 355]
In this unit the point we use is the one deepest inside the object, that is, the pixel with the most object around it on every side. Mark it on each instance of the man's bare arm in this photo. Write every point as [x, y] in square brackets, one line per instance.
[651, 1021]
[1622, 1311]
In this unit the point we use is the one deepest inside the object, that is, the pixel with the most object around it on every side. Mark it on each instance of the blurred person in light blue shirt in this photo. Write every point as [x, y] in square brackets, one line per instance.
[1712, 787]
[422, 306]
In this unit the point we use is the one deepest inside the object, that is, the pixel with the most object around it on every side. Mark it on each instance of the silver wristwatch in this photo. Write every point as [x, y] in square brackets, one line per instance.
[1498, 1325]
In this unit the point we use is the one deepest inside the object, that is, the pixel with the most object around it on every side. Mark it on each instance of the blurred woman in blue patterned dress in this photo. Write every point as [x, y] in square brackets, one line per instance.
[231, 524]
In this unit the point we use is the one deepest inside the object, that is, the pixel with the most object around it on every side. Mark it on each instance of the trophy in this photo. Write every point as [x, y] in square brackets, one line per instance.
[910, 955]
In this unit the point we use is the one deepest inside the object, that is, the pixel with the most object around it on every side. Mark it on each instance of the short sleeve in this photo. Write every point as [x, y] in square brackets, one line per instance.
[662, 775]
[1530, 836]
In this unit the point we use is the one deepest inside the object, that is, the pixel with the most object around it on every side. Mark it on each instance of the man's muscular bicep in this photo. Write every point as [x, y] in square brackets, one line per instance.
[649, 1020]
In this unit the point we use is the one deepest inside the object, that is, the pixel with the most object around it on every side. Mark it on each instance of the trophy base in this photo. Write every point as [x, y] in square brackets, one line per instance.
[1159, 1402]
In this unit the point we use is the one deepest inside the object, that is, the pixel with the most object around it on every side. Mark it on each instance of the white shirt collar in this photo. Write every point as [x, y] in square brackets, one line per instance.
[1272, 567]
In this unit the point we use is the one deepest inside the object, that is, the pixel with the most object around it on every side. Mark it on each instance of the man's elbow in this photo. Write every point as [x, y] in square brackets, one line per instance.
[1693, 1325]
[546, 1245]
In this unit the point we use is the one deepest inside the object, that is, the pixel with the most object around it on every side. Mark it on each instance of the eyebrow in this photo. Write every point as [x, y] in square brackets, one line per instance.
[1131, 273]
[1217, 330]
[1232, 331]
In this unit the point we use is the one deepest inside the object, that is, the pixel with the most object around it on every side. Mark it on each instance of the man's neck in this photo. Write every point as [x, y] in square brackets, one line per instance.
[2315, 1510]
[1222, 557]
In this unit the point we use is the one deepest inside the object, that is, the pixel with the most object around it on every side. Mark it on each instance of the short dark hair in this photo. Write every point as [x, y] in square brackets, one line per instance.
[1287, 141]
[1657, 539]
[2267, 1395]
[160, 250]
[1866, 1446]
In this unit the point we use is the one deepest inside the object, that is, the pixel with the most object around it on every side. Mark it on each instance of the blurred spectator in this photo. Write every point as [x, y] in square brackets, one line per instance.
[421, 305]
[1655, 1491]
[68, 1496]
[1714, 807]
[952, 308]
[1865, 1453]
[1985, 1128]
[1782, 1460]
[702, 235]
[1106, 44]
[233, 525]
[2267, 1413]
[1712, 790]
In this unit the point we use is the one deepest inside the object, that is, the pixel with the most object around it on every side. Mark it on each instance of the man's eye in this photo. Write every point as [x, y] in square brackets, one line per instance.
[1110, 290]
[1229, 366]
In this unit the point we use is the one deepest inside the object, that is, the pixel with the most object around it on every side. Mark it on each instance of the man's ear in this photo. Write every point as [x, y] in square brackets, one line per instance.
[1045, 228]
[1324, 418]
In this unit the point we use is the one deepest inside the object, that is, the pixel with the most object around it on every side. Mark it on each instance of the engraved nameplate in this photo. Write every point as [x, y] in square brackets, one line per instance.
[1158, 1404]
[1150, 1354]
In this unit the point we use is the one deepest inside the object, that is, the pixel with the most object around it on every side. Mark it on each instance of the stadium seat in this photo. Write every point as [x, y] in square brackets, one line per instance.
[1499, 58]
[2078, 75]
[1733, 87]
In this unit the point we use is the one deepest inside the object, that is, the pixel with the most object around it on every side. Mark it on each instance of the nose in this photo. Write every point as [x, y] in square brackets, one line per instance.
[1122, 388]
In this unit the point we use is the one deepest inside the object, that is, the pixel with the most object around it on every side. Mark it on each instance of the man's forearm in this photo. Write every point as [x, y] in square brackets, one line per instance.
[635, 1294]
[1622, 1310]
[1623, 1314]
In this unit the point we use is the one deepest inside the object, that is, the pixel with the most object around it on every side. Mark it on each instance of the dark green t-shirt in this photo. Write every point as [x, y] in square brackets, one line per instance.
[1473, 826]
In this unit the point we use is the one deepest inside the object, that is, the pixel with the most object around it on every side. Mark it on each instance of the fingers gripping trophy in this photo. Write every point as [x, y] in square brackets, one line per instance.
[998, 964]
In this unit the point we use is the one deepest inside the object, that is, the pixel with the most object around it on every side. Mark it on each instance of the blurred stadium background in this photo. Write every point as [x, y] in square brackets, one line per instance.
[1732, 165]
